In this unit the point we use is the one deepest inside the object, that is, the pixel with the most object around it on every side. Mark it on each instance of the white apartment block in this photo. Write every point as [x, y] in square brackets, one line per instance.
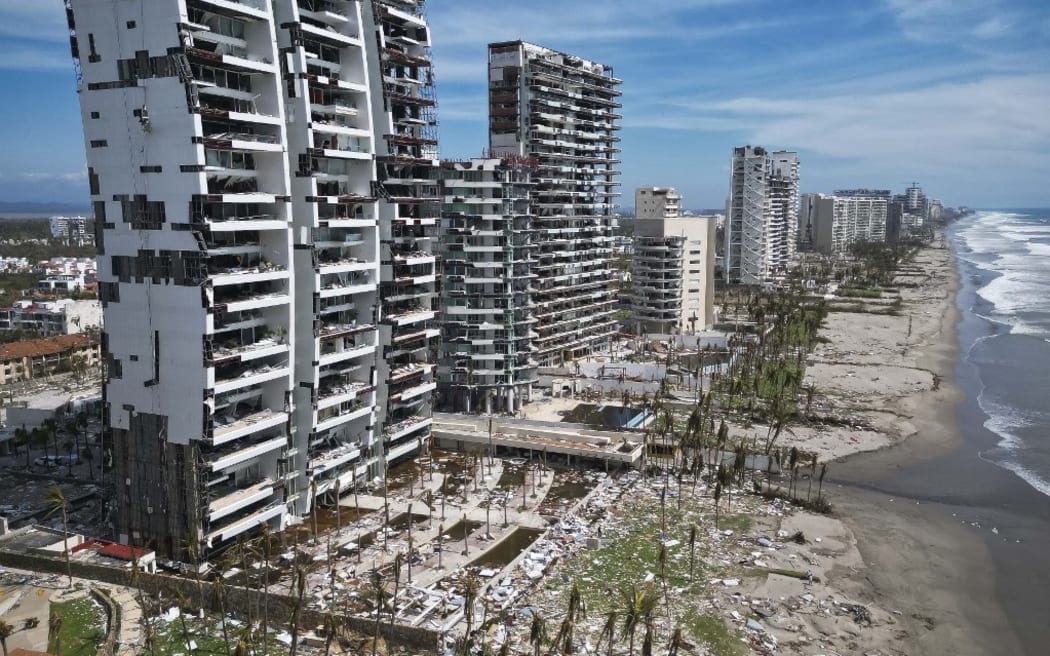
[51, 318]
[405, 126]
[672, 266]
[485, 361]
[761, 215]
[232, 150]
[834, 223]
[72, 228]
[561, 111]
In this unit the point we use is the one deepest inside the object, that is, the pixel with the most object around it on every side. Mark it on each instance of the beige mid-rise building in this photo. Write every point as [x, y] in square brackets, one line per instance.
[672, 272]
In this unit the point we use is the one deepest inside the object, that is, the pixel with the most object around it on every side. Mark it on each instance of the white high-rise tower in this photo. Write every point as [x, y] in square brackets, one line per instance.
[761, 214]
[244, 236]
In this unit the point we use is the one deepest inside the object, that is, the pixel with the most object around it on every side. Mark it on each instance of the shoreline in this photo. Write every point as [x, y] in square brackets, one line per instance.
[922, 507]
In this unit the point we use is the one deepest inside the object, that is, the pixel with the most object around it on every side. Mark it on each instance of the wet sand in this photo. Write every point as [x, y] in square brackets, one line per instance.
[924, 512]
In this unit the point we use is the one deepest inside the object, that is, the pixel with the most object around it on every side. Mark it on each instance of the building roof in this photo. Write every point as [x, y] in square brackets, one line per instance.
[33, 348]
[123, 551]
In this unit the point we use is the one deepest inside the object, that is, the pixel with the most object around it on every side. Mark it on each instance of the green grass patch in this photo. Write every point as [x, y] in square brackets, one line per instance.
[207, 635]
[735, 523]
[713, 632]
[631, 551]
[857, 292]
[83, 628]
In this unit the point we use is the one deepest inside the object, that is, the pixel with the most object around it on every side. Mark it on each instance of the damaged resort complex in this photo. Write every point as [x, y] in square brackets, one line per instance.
[348, 396]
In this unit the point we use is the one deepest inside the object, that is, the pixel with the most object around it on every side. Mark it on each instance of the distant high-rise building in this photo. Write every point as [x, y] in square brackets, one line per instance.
[69, 228]
[833, 223]
[561, 111]
[262, 180]
[761, 214]
[485, 360]
[672, 266]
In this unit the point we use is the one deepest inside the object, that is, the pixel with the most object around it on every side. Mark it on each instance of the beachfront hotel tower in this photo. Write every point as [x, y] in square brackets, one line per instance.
[672, 266]
[561, 111]
[259, 177]
[485, 360]
[761, 214]
[834, 223]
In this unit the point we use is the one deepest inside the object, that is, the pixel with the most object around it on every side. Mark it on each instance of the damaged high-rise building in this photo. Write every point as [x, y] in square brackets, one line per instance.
[761, 227]
[561, 111]
[263, 181]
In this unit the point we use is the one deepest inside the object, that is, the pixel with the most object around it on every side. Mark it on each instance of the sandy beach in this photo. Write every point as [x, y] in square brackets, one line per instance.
[925, 541]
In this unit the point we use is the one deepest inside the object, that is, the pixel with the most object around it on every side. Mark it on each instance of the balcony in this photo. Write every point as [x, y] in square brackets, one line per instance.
[225, 501]
[344, 265]
[406, 427]
[332, 459]
[410, 317]
[330, 35]
[242, 377]
[261, 272]
[246, 523]
[249, 8]
[235, 352]
[413, 392]
[226, 428]
[344, 348]
[401, 450]
[227, 458]
[336, 394]
[333, 417]
[325, 12]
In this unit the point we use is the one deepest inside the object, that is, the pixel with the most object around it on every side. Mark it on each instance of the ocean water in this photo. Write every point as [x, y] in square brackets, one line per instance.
[1005, 264]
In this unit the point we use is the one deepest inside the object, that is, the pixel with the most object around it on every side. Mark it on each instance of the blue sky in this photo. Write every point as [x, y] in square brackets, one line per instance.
[951, 93]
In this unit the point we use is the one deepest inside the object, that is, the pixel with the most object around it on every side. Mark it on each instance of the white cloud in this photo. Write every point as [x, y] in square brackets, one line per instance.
[33, 58]
[33, 19]
[33, 177]
[995, 122]
[948, 20]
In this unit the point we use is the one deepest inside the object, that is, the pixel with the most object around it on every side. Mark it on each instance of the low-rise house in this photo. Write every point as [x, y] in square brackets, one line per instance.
[37, 358]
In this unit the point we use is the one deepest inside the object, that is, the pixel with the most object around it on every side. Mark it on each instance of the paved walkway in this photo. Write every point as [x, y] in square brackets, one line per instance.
[36, 601]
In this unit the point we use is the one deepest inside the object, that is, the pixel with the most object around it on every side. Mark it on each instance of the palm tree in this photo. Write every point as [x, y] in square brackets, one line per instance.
[184, 603]
[638, 606]
[220, 599]
[380, 599]
[54, 628]
[399, 562]
[647, 641]
[538, 633]
[718, 499]
[608, 632]
[676, 642]
[5, 632]
[242, 556]
[313, 506]
[67, 446]
[74, 426]
[56, 500]
[50, 428]
[329, 631]
[38, 438]
[89, 458]
[22, 439]
[263, 553]
[820, 482]
[692, 550]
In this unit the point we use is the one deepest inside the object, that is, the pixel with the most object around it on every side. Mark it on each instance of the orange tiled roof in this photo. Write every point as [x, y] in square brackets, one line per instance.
[33, 348]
